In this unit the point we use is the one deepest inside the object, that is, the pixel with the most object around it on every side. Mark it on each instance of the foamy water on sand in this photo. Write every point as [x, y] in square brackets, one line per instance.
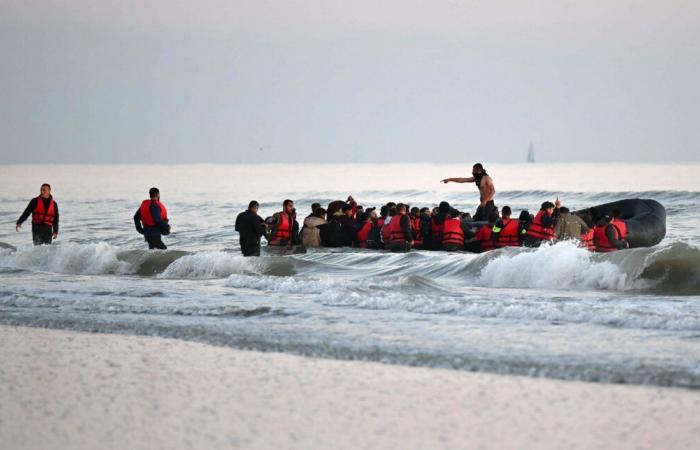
[558, 311]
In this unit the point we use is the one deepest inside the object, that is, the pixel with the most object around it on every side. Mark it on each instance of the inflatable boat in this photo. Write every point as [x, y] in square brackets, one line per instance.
[645, 219]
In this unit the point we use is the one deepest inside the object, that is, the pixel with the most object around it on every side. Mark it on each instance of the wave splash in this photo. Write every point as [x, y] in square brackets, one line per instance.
[673, 269]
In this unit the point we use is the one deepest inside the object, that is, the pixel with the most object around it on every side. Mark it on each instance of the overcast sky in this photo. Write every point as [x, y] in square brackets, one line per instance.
[172, 81]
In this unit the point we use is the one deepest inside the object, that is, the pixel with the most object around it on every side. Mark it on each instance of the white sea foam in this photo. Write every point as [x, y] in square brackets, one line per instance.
[212, 265]
[560, 266]
[68, 258]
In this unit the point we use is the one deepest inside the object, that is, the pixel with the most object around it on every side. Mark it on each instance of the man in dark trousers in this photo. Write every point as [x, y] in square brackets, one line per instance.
[44, 211]
[151, 220]
[250, 227]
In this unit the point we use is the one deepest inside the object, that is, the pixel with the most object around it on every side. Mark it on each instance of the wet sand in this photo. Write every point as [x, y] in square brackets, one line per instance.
[61, 389]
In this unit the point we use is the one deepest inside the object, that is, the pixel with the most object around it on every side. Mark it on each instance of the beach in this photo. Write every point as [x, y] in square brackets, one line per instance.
[66, 389]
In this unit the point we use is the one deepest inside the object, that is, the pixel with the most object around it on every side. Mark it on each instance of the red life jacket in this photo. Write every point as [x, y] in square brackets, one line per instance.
[415, 226]
[46, 217]
[602, 243]
[587, 240]
[509, 235]
[436, 229]
[147, 218]
[363, 234]
[539, 231]
[394, 232]
[283, 232]
[484, 237]
[452, 233]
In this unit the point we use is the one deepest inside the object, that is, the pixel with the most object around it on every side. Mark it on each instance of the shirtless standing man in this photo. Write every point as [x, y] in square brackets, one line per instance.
[486, 188]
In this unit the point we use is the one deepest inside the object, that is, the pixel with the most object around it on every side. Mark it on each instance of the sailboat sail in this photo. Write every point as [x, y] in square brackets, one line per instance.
[531, 154]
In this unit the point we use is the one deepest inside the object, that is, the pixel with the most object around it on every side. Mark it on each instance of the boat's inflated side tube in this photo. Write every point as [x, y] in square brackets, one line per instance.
[645, 219]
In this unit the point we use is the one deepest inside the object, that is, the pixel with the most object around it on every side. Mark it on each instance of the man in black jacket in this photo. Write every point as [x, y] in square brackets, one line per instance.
[250, 227]
[44, 211]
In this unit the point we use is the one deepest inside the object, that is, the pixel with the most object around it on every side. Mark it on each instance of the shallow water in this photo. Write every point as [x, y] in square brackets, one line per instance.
[559, 311]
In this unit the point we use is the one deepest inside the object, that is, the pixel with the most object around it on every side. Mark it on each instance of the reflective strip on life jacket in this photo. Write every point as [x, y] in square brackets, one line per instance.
[539, 231]
[44, 217]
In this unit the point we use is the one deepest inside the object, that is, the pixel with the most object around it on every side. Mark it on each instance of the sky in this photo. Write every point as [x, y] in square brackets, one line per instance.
[229, 81]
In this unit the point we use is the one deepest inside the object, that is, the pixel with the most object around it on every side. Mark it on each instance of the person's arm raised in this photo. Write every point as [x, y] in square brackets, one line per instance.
[458, 180]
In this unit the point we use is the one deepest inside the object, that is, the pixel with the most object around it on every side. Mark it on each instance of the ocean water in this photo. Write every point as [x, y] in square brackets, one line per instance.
[557, 311]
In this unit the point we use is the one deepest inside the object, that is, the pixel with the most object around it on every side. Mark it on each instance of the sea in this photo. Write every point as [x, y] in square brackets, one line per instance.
[630, 317]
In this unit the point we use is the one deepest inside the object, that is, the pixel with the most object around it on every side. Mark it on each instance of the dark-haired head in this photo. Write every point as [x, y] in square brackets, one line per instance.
[493, 216]
[546, 205]
[253, 204]
[563, 209]
[153, 192]
[505, 211]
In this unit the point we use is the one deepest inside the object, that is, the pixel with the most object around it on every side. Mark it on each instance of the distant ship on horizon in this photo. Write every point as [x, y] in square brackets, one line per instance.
[531, 154]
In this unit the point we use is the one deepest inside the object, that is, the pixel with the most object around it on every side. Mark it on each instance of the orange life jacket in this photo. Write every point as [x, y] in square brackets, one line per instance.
[602, 243]
[46, 217]
[395, 234]
[147, 218]
[436, 229]
[539, 231]
[363, 234]
[415, 226]
[452, 233]
[587, 239]
[484, 236]
[509, 235]
[283, 232]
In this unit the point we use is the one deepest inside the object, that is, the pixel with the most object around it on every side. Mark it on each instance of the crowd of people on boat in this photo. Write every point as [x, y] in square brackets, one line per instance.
[398, 227]
[394, 226]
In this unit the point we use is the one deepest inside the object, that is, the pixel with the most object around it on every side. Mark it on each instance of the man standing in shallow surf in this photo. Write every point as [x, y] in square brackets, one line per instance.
[487, 191]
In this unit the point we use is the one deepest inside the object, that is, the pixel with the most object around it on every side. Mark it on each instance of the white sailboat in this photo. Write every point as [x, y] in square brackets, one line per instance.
[531, 154]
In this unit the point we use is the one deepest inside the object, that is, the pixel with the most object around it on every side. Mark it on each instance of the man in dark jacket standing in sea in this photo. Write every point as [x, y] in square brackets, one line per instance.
[44, 211]
[250, 227]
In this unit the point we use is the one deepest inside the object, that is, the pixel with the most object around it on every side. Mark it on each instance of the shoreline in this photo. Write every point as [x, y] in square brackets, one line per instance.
[69, 389]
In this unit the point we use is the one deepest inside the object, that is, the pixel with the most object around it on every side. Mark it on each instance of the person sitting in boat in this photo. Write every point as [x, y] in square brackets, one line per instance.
[506, 231]
[398, 236]
[610, 234]
[569, 226]
[542, 227]
[484, 240]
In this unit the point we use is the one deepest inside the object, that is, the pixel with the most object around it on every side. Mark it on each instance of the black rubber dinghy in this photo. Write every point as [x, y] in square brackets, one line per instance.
[645, 219]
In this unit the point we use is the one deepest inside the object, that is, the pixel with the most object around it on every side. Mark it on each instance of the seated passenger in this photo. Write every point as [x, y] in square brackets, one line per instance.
[542, 227]
[610, 234]
[506, 231]
[569, 226]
